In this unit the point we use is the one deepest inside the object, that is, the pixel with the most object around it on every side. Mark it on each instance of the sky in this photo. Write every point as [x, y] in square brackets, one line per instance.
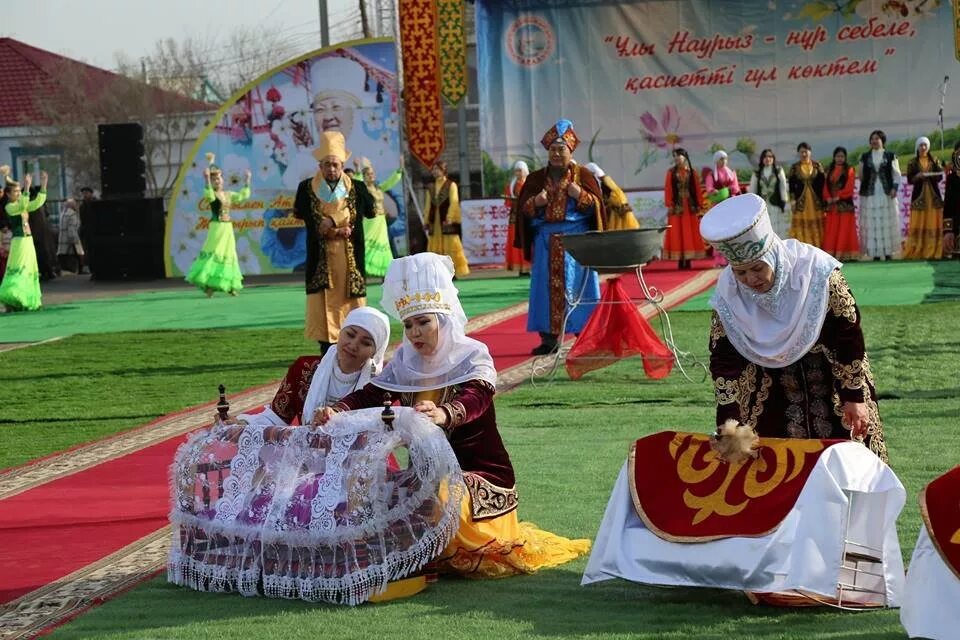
[95, 30]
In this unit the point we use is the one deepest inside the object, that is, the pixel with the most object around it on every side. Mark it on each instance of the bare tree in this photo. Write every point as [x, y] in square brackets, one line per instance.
[172, 93]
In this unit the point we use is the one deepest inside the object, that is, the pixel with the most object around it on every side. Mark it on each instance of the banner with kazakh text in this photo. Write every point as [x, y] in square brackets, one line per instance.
[640, 78]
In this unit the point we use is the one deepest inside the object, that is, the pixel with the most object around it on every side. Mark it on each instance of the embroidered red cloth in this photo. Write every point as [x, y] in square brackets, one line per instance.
[684, 493]
[940, 509]
[617, 330]
[421, 74]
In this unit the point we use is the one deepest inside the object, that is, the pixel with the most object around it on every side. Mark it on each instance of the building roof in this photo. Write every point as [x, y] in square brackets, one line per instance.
[29, 72]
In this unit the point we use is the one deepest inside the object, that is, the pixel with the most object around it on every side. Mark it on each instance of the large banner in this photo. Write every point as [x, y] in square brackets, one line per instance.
[640, 78]
[271, 128]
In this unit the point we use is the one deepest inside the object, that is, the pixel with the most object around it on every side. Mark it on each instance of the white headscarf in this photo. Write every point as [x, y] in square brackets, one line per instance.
[524, 169]
[916, 146]
[329, 383]
[421, 284]
[778, 327]
[720, 153]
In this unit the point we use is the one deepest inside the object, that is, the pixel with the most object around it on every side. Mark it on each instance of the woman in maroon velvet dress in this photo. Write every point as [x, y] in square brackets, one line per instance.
[451, 379]
[787, 354]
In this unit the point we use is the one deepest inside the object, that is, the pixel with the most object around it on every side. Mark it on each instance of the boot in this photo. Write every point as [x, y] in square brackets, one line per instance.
[548, 344]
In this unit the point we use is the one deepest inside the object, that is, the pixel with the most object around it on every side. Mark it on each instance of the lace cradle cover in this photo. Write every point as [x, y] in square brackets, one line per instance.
[315, 514]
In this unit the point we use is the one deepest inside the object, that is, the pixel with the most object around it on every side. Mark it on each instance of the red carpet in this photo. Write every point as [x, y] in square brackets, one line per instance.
[52, 530]
[59, 527]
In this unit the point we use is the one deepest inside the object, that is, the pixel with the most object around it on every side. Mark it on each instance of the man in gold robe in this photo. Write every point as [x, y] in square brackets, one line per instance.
[329, 204]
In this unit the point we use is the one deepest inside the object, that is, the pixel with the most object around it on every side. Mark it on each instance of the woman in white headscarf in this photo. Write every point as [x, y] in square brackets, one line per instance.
[721, 182]
[451, 379]
[925, 235]
[787, 353]
[511, 191]
[264, 508]
[313, 382]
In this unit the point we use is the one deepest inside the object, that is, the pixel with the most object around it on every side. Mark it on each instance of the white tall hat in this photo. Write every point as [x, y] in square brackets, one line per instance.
[421, 283]
[335, 76]
[740, 229]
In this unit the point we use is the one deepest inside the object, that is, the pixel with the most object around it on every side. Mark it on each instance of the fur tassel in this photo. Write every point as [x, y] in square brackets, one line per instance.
[734, 442]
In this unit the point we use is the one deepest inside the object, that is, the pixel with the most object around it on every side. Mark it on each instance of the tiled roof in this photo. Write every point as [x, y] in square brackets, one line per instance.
[29, 72]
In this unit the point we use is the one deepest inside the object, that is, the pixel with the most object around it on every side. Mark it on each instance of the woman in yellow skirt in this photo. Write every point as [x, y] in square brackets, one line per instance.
[806, 180]
[443, 219]
[216, 268]
[451, 379]
[925, 235]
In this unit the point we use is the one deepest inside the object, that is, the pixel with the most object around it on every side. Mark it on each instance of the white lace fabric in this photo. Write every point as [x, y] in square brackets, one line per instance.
[317, 515]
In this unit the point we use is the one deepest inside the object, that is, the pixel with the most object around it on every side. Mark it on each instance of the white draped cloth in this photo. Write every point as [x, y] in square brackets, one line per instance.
[804, 553]
[931, 600]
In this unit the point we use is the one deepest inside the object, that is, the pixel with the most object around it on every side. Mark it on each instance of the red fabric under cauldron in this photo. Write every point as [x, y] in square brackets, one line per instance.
[616, 330]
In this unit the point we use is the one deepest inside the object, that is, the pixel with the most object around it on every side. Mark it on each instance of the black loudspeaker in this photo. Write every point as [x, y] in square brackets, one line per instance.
[125, 238]
[122, 165]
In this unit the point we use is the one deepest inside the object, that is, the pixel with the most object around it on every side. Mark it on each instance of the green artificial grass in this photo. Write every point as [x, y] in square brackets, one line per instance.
[568, 441]
[258, 307]
[885, 283]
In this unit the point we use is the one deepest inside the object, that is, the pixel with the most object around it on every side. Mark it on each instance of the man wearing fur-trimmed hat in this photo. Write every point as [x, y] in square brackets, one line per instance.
[331, 204]
[561, 198]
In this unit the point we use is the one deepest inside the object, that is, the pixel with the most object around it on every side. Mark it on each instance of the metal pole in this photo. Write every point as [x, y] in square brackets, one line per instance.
[324, 25]
[364, 21]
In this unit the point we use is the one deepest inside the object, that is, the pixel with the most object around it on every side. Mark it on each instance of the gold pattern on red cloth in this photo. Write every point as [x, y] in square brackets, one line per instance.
[452, 40]
[421, 73]
[684, 493]
[940, 509]
[558, 284]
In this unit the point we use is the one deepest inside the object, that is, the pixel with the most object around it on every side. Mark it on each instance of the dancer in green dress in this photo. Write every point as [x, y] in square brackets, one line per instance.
[376, 239]
[216, 267]
[20, 289]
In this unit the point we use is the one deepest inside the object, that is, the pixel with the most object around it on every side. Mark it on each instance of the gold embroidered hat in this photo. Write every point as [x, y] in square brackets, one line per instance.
[563, 131]
[332, 143]
[740, 229]
[418, 284]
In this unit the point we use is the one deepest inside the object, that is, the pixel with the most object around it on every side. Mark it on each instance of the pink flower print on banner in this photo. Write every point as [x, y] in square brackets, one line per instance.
[672, 130]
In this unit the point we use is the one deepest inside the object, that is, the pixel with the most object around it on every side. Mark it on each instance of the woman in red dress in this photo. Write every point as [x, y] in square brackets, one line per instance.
[684, 199]
[511, 191]
[840, 227]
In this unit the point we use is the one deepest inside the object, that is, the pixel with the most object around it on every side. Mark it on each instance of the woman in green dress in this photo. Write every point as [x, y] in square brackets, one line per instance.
[378, 255]
[216, 267]
[20, 289]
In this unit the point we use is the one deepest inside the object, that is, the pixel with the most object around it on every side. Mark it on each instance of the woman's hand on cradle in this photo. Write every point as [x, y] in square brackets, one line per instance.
[428, 408]
[540, 200]
[856, 419]
[322, 416]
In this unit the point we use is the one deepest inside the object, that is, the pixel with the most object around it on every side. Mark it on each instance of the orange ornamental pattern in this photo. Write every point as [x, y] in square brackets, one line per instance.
[453, 50]
[684, 493]
[421, 74]
[940, 509]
